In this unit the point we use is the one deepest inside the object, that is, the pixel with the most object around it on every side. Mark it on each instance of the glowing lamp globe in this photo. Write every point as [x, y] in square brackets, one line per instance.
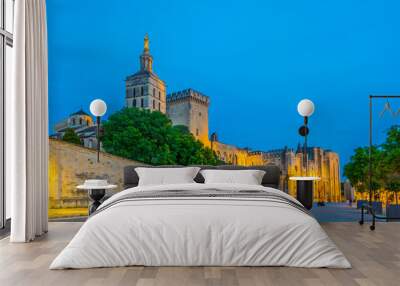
[305, 107]
[98, 107]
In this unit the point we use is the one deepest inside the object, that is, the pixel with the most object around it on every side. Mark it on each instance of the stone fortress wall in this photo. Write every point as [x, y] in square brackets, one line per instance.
[234, 155]
[70, 165]
[321, 163]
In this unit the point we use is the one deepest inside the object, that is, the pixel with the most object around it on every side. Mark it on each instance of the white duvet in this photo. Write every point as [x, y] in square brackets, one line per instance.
[200, 231]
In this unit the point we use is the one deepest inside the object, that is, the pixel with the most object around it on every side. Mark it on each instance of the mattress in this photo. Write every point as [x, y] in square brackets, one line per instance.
[201, 225]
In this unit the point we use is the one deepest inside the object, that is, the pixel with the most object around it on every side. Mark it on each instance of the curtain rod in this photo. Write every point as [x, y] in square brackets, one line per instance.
[384, 96]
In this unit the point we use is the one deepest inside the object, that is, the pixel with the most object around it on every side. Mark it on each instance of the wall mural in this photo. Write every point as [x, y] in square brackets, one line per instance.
[235, 87]
[183, 114]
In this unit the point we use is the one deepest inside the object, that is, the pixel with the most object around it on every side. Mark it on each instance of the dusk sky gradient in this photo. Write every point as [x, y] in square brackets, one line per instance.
[254, 59]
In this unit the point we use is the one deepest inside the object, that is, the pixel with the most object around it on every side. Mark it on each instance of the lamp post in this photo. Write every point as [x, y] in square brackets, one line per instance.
[305, 108]
[98, 108]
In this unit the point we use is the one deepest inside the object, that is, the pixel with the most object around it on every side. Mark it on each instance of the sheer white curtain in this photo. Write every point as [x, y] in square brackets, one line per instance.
[26, 124]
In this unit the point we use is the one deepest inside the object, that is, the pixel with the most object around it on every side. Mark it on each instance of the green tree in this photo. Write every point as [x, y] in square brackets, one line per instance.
[391, 151]
[393, 185]
[71, 137]
[357, 170]
[182, 128]
[391, 148]
[149, 137]
[385, 165]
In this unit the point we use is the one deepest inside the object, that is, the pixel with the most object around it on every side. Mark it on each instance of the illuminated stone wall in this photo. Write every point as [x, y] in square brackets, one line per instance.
[236, 156]
[70, 165]
[321, 163]
[386, 197]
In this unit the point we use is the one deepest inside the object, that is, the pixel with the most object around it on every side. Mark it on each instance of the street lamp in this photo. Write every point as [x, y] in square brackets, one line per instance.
[98, 108]
[305, 184]
[305, 108]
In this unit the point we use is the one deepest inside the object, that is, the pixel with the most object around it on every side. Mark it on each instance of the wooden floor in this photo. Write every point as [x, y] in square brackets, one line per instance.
[375, 257]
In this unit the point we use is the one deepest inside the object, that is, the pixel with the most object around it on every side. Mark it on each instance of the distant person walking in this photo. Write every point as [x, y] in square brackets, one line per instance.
[348, 192]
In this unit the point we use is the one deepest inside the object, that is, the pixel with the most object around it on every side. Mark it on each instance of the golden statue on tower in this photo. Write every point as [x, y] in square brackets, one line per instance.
[146, 43]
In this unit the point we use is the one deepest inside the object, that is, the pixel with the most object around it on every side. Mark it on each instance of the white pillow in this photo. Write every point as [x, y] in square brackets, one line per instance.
[166, 176]
[248, 177]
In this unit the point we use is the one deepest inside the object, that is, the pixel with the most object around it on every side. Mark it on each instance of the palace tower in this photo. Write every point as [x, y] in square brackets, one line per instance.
[190, 108]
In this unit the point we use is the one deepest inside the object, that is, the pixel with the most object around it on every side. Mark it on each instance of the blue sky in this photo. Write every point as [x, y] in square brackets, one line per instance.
[255, 59]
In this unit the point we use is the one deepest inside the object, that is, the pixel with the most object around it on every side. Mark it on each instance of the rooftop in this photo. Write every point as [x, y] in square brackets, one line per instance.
[186, 93]
[79, 112]
[143, 73]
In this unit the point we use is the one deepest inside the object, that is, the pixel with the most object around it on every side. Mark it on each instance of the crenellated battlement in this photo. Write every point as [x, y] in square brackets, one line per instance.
[188, 94]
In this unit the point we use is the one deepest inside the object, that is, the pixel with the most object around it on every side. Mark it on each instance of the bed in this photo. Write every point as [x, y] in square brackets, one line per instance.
[201, 224]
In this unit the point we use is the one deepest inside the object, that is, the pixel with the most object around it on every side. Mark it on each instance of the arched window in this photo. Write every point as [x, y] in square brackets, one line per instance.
[154, 104]
[159, 106]
[80, 121]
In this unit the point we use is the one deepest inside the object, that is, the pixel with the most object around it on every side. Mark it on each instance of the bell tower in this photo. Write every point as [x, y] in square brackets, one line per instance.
[145, 89]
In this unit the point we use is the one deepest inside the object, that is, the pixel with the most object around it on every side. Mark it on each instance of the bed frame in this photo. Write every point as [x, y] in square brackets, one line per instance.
[271, 178]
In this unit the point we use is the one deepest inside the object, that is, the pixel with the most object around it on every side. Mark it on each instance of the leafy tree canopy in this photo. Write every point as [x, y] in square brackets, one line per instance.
[391, 149]
[149, 137]
[357, 170]
[71, 137]
[182, 128]
[385, 161]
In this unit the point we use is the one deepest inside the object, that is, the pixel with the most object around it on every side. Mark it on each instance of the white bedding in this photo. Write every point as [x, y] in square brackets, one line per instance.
[200, 231]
